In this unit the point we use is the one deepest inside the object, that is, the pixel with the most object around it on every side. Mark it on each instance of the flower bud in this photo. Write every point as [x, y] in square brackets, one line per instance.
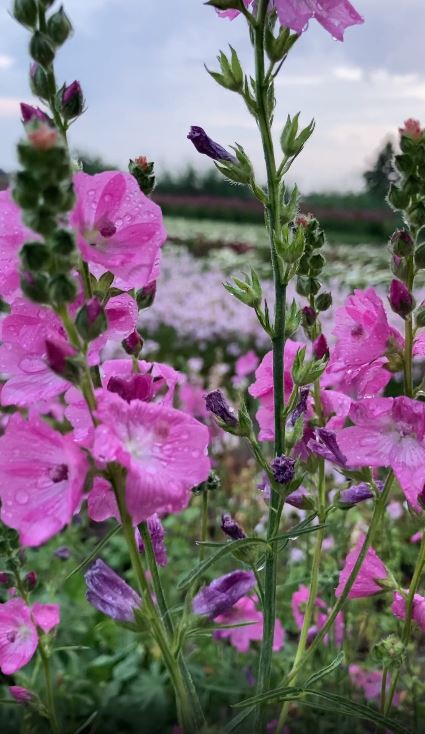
[320, 347]
[283, 469]
[420, 315]
[136, 387]
[38, 81]
[42, 49]
[34, 256]
[398, 198]
[63, 242]
[35, 287]
[400, 298]
[143, 172]
[91, 320]
[307, 286]
[291, 143]
[207, 146]
[411, 129]
[59, 27]
[323, 301]
[30, 580]
[309, 316]
[42, 136]
[72, 101]
[133, 344]
[146, 296]
[21, 695]
[59, 356]
[398, 267]
[353, 495]
[300, 500]
[109, 593]
[30, 113]
[6, 579]
[401, 243]
[390, 652]
[231, 528]
[25, 12]
[213, 482]
[216, 404]
[62, 289]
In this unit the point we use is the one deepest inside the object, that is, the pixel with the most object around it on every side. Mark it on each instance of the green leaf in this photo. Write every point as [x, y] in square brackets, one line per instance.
[86, 723]
[238, 719]
[357, 710]
[326, 670]
[230, 547]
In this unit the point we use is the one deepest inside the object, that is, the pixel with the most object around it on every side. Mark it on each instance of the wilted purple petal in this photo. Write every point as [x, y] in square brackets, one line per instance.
[300, 407]
[109, 593]
[326, 446]
[157, 533]
[223, 593]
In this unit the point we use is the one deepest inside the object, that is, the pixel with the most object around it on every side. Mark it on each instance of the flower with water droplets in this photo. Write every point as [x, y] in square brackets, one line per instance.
[18, 631]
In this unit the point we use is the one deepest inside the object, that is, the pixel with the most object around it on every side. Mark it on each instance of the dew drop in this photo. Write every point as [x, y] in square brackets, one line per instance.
[21, 497]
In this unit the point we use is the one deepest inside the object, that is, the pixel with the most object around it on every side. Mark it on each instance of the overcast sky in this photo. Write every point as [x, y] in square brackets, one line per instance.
[140, 63]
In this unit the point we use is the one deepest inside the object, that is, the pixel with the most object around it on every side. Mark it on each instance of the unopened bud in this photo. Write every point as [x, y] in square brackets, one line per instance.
[38, 81]
[231, 528]
[63, 242]
[420, 256]
[25, 12]
[216, 403]
[320, 347]
[21, 695]
[420, 315]
[283, 469]
[309, 316]
[146, 296]
[143, 172]
[91, 320]
[30, 113]
[59, 356]
[400, 298]
[35, 286]
[398, 267]
[72, 101]
[401, 243]
[133, 344]
[34, 256]
[42, 136]
[42, 49]
[205, 145]
[62, 288]
[323, 301]
[59, 27]
[30, 580]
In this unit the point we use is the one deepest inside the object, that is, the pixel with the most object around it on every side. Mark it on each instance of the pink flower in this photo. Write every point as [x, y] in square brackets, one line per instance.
[399, 608]
[298, 603]
[412, 129]
[18, 631]
[262, 388]
[370, 681]
[246, 364]
[21, 695]
[42, 476]
[371, 571]
[163, 450]
[232, 14]
[416, 538]
[334, 15]
[363, 338]
[119, 228]
[388, 432]
[13, 234]
[42, 136]
[245, 610]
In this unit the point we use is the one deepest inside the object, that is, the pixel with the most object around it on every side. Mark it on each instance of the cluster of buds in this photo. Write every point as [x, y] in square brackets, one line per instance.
[408, 194]
[43, 189]
[143, 172]
[312, 263]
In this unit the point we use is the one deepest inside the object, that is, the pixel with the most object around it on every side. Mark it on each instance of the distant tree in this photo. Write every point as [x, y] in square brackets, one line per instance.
[94, 163]
[4, 180]
[379, 177]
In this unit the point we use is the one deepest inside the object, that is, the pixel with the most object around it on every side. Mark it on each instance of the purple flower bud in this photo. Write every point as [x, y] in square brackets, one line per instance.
[94, 309]
[205, 145]
[157, 533]
[300, 499]
[325, 445]
[216, 404]
[63, 553]
[133, 344]
[6, 579]
[355, 494]
[57, 354]
[231, 528]
[320, 347]
[30, 113]
[137, 387]
[309, 316]
[400, 298]
[283, 469]
[108, 593]
[21, 695]
[223, 593]
[146, 296]
[30, 580]
[301, 406]
[72, 103]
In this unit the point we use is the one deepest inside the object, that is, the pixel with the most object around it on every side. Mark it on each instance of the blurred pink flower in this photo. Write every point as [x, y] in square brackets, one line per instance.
[245, 610]
[119, 228]
[18, 632]
[163, 450]
[371, 571]
[388, 432]
[398, 608]
[298, 603]
[42, 475]
[334, 15]
[13, 234]
[246, 364]
[232, 14]
[370, 681]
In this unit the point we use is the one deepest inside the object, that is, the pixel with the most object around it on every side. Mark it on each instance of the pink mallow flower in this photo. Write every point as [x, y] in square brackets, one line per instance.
[370, 682]
[42, 476]
[388, 432]
[398, 608]
[334, 15]
[363, 337]
[371, 571]
[119, 228]
[163, 450]
[13, 234]
[298, 603]
[18, 631]
[245, 610]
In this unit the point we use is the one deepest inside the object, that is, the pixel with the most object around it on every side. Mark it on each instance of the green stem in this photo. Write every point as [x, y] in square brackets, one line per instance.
[51, 81]
[374, 527]
[417, 575]
[156, 580]
[384, 688]
[50, 698]
[204, 524]
[188, 713]
[274, 225]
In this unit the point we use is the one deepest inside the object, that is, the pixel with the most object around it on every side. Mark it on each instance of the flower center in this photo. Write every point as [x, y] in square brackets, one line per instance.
[58, 473]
